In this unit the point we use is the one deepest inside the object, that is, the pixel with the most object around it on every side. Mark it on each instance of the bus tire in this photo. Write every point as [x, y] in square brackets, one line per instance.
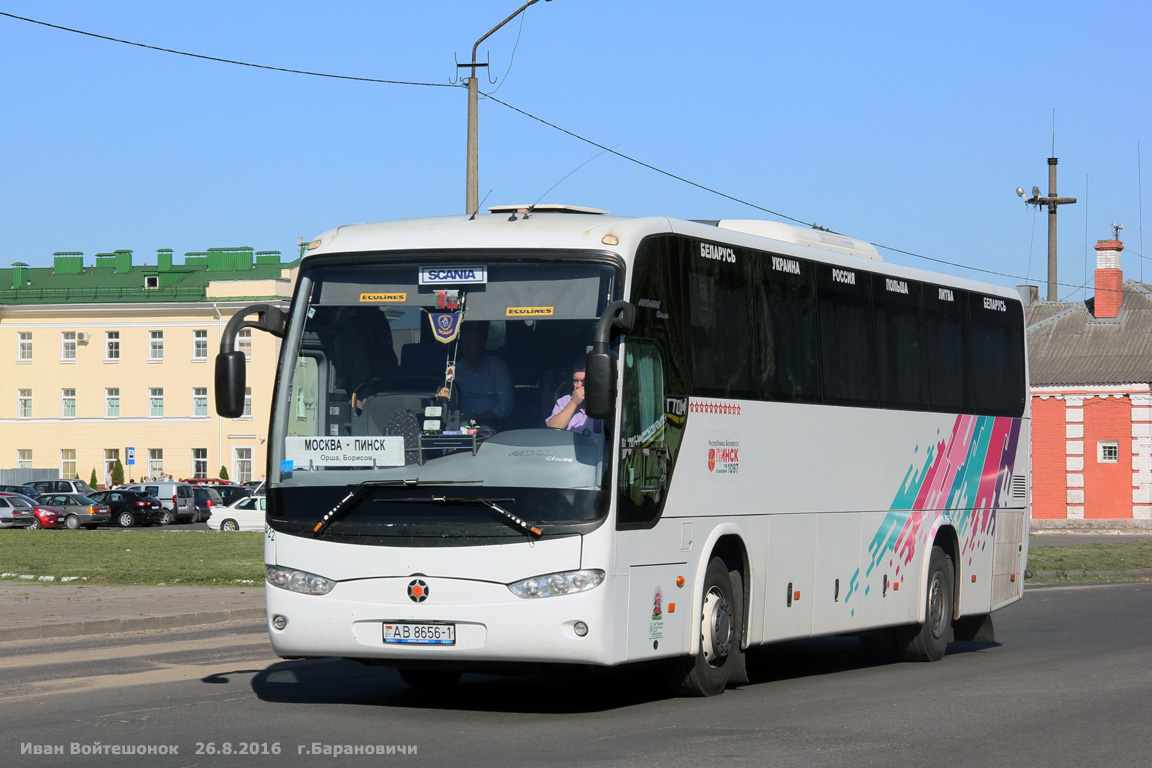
[721, 617]
[429, 679]
[929, 641]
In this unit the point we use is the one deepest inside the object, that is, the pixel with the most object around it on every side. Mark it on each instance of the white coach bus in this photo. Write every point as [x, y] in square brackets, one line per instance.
[780, 437]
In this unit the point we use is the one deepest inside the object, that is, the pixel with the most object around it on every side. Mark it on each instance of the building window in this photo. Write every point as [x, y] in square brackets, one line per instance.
[68, 346]
[111, 456]
[24, 458]
[24, 346]
[68, 403]
[244, 342]
[155, 462]
[1108, 451]
[155, 346]
[112, 402]
[24, 403]
[247, 403]
[199, 401]
[199, 462]
[68, 463]
[199, 345]
[156, 401]
[112, 345]
[243, 465]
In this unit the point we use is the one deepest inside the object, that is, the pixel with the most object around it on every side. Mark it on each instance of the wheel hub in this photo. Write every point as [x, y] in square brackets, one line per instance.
[717, 627]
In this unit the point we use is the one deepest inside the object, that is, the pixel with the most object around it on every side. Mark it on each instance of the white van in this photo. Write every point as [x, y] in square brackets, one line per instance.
[178, 500]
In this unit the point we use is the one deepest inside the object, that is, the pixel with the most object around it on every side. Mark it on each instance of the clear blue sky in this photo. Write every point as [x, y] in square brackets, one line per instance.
[907, 124]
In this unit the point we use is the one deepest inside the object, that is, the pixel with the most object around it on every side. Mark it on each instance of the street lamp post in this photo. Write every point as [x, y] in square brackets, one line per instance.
[472, 191]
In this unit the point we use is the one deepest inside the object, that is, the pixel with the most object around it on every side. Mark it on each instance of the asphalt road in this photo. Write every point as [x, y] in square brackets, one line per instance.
[1066, 686]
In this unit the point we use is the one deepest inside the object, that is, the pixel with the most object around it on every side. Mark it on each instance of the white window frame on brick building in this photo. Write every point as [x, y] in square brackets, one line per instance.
[155, 346]
[68, 346]
[24, 346]
[1108, 451]
[199, 346]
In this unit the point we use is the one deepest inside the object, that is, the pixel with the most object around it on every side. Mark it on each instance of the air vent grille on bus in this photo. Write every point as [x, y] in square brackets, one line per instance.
[1019, 487]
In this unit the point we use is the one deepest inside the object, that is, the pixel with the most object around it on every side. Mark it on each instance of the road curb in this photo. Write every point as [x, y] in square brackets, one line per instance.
[137, 624]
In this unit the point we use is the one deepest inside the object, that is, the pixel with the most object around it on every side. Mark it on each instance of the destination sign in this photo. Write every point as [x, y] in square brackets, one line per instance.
[320, 452]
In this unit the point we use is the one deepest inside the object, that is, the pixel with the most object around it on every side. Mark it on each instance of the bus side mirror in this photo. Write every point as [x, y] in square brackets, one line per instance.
[600, 385]
[230, 383]
[600, 365]
[230, 372]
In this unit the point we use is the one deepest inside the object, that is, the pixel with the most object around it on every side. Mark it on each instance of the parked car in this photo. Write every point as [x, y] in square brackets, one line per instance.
[232, 493]
[130, 508]
[247, 514]
[176, 498]
[77, 509]
[46, 517]
[208, 500]
[23, 490]
[16, 511]
[61, 486]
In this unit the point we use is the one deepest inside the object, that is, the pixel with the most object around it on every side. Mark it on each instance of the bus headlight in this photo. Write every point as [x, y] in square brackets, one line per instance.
[553, 584]
[298, 581]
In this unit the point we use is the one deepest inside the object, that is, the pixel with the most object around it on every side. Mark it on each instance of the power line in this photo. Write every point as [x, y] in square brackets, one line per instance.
[223, 61]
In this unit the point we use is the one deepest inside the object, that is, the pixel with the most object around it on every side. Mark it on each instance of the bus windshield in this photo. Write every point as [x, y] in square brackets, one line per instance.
[443, 370]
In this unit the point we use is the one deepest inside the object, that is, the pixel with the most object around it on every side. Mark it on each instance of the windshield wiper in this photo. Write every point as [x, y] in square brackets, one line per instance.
[358, 492]
[490, 503]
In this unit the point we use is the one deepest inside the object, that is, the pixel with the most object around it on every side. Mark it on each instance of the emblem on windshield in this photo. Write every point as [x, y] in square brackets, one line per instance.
[417, 590]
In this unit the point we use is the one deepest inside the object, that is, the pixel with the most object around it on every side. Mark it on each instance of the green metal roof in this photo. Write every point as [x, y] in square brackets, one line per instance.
[115, 280]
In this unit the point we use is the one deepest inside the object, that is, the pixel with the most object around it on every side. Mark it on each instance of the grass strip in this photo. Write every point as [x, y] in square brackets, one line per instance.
[154, 557]
[1092, 562]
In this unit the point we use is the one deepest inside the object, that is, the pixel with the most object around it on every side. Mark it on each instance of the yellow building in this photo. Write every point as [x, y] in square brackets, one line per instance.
[112, 361]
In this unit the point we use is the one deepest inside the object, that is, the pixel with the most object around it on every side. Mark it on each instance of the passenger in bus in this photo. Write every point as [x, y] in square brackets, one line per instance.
[484, 383]
[568, 413]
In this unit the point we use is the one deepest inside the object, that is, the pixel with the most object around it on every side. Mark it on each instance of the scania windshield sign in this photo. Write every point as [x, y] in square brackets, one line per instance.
[453, 275]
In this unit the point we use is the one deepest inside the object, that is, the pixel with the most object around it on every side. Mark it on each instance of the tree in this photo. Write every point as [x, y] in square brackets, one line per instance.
[93, 481]
[118, 473]
[223, 472]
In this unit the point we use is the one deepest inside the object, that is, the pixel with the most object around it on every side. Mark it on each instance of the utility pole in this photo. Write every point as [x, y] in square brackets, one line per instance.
[472, 190]
[1052, 201]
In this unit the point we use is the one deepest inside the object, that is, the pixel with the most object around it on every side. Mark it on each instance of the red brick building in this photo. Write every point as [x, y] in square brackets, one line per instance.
[1091, 374]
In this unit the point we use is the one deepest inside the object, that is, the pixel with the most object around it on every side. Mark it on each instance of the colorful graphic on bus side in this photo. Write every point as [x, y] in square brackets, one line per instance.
[968, 472]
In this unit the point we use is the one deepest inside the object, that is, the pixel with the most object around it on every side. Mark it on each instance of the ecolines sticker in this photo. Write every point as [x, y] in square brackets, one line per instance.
[723, 458]
[383, 297]
[530, 311]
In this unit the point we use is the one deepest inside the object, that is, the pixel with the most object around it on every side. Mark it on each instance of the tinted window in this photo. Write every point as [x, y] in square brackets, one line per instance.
[947, 337]
[785, 292]
[901, 368]
[719, 318]
[847, 357]
[997, 355]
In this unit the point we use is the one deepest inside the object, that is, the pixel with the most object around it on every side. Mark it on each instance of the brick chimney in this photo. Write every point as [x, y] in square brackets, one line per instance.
[1109, 278]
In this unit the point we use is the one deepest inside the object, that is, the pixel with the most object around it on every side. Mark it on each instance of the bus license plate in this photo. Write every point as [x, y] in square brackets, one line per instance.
[420, 634]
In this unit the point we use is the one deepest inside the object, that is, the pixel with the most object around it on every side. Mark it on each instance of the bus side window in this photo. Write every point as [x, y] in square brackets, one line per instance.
[645, 457]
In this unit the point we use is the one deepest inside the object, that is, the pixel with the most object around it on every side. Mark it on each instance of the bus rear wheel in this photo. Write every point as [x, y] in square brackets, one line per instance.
[721, 618]
[929, 641]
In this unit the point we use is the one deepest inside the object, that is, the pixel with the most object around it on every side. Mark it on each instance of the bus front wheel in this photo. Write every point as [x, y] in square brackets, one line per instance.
[721, 618]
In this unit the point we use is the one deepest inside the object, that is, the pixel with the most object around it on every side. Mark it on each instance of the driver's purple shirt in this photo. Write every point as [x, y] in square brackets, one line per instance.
[579, 420]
